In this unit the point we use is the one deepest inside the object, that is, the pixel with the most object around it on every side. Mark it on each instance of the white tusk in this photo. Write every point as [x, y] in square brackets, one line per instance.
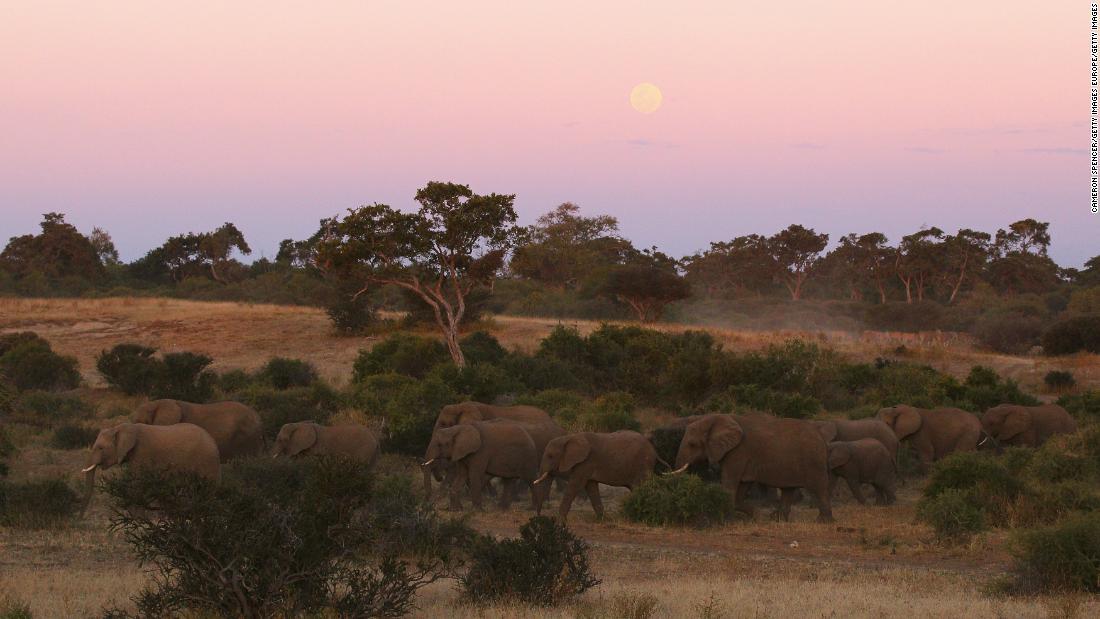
[680, 470]
[89, 468]
[429, 462]
[542, 478]
[983, 441]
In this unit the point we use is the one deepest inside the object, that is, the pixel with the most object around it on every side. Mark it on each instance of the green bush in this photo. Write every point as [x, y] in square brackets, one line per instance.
[234, 381]
[610, 412]
[8, 395]
[1082, 405]
[482, 382]
[953, 514]
[985, 483]
[278, 407]
[29, 362]
[350, 314]
[73, 437]
[283, 373]
[184, 376]
[682, 499]
[400, 353]
[562, 405]
[291, 534]
[545, 566]
[130, 368]
[1079, 333]
[1057, 558]
[1008, 332]
[1059, 379]
[481, 347]
[409, 407]
[46, 409]
[984, 389]
[793, 405]
[36, 504]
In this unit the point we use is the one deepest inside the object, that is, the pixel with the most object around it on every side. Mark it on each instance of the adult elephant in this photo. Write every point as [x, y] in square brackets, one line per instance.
[541, 426]
[855, 429]
[182, 447]
[352, 441]
[933, 433]
[1026, 426]
[235, 427]
[588, 459]
[788, 454]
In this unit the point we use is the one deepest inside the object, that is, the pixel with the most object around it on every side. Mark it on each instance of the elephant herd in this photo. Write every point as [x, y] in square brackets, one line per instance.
[523, 446]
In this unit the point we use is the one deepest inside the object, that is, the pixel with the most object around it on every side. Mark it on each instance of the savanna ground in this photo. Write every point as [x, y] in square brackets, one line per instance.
[875, 561]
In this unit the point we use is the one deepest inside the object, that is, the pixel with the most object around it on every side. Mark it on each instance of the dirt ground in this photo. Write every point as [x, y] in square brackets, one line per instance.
[874, 561]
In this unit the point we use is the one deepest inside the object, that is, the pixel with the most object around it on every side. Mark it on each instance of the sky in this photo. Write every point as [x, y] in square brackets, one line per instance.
[150, 118]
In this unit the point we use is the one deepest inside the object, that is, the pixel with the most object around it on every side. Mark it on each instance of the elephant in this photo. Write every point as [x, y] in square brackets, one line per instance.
[307, 438]
[588, 459]
[855, 429]
[483, 448]
[468, 412]
[235, 427]
[1026, 426]
[782, 453]
[864, 461]
[933, 433]
[182, 447]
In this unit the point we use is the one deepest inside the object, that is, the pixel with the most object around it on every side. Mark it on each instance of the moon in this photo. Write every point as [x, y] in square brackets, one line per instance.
[646, 98]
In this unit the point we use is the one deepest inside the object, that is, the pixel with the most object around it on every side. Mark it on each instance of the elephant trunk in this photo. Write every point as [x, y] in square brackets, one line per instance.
[89, 486]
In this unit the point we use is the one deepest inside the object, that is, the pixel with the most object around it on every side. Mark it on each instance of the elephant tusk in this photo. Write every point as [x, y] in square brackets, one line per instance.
[679, 470]
[429, 462]
[542, 477]
[90, 468]
[983, 441]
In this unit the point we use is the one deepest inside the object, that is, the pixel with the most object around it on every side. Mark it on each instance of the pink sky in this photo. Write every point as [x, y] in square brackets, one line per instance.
[154, 118]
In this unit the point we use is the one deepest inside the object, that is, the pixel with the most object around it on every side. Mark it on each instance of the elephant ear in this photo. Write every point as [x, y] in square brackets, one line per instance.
[1015, 422]
[469, 414]
[576, 451]
[167, 413]
[467, 441]
[725, 434]
[826, 429]
[303, 437]
[125, 441]
[839, 455]
[907, 422]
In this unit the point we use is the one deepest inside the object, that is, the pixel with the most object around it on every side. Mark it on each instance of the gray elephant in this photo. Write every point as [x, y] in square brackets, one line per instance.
[481, 449]
[307, 438]
[782, 453]
[855, 429]
[1026, 426]
[235, 427]
[933, 433]
[864, 461]
[182, 447]
[589, 459]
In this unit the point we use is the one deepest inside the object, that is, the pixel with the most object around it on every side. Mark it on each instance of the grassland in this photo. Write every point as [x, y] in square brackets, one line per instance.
[875, 561]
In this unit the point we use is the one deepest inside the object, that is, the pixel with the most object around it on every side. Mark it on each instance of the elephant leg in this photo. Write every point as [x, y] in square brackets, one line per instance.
[857, 492]
[538, 496]
[592, 489]
[819, 488]
[786, 499]
[832, 485]
[571, 490]
[456, 483]
[926, 454]
[886, 492]
[507, 489]
[427, 482]
[739, 502]
[477, 482]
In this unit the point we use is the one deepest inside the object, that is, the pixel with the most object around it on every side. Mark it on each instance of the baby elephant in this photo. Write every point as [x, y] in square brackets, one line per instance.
[866, 461]
[589, 459]
[486, 448]
[307, 438]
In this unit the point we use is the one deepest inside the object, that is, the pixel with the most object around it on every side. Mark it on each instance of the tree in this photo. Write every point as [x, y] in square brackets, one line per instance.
[563, 247]
[742, 265]
[455, 242]
[859, 260]
[207, 254]
[646, 288]
[104, 247]
[1020, 263]
[917, 260]
[59, 250]
[794, 252]
[965, 254]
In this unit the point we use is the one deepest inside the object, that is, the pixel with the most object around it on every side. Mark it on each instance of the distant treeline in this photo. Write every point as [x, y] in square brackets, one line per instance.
[462, 254]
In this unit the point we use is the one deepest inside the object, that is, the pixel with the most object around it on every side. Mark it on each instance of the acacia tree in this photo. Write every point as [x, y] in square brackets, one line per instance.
[1020, 262]
[455, 242]
[648, 284]
[917, 259]
[60, 250]
[794, 253]
[966, 253]
[564, 247]
[858, 260]
[737, 266]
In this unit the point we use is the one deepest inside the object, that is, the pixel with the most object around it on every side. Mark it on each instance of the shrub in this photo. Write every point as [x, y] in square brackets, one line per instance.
[562, 405]
[480, 347]
[400, 353]
[45, 409]
[1060, 557]
[1079, 333]
[793, 405]
[8, 395]
[351, 315]
[36, 504]
[11, 608]
[278, 407]
[73, 437]
[409, 407]
[982, 481]
[1058, 380]
[610, 412]
[283, 373]
[183, 376]
[682, 499]
[29, 362]
[234, 381]
[287, 533]
[953, 515]
[898, 316]
[1082, 405]
[1008, 332]
[130, 368]
[482, 382]
[984, 389]
[546, 565]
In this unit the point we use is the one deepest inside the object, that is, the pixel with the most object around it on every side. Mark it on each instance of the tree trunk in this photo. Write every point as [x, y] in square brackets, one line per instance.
[959, 281]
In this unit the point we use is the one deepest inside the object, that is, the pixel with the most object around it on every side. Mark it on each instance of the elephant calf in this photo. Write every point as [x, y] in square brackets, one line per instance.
[235, 427]
[486, 448]
[855, 429]
[307, 438]
[589, 459]
[182, 447]
[1026, 426]
[866, 461]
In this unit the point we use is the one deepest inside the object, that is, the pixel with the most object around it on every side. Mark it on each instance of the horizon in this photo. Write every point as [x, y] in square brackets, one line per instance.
[840, 116]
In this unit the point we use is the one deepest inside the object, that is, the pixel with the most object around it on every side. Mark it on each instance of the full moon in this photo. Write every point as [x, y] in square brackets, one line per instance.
[645, 98]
